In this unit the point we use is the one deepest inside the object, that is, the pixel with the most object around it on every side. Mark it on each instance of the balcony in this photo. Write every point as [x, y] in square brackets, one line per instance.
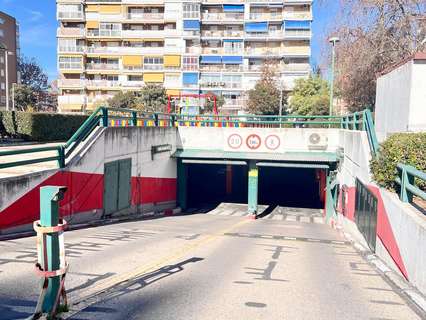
[103, 33]
[275, 34]
[297, 67]
[298, 15]
[102, 66]
[296, 51]
[71, 32]
[220, 84]
[70, 49]
[233, 33]
[72, 99]
[223, 16]
[70, 66]
[126, 50]
[145, 16]
[145, 33]
[211, 50]
[265, 16]
[132, 84]
[193, 50]
[103, 83]
[264, 51]
[71, 83]
[297, 34]
[70, 15]
[221, 68]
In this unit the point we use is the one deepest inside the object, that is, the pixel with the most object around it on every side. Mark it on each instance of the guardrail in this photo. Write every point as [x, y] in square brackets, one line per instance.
[120, 117]
[407, 182]
[363, 120]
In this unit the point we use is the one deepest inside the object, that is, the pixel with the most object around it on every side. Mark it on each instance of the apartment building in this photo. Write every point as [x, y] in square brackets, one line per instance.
[9, 54]
[189, 47]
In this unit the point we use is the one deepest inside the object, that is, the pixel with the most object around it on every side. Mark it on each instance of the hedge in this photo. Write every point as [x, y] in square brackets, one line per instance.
[407, 148]
[39, 126]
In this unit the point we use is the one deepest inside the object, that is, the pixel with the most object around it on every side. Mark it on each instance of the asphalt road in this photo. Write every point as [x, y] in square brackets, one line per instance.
[221, 265]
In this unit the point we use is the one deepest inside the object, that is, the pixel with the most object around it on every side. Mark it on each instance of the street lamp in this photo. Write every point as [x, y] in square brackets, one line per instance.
[333, 41]
[6, 55]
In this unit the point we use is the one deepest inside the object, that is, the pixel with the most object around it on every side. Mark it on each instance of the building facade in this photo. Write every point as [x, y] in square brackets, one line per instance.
[189, 47]
[9, 54]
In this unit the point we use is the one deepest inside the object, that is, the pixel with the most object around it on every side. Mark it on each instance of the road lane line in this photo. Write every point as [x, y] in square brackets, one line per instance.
[77, 303]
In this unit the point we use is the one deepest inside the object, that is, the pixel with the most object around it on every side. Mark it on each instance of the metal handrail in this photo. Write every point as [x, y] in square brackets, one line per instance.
[104, 116]
[407, 181]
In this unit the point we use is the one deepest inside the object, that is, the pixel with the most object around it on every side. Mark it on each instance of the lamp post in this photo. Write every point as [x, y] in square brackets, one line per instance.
[333, 41]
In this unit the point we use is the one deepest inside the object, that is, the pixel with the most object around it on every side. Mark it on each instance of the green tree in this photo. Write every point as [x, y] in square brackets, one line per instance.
[32, 74]
[265, 97]
[152, 98]
[209, 106]
[25, 98]
[123, 100]
[310, 97]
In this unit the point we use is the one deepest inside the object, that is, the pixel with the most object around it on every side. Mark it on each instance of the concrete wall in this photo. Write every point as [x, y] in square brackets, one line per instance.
[153, 181]
[401, 228]
[272, 140]
[417, 113]
[393, 101]
[400, 99]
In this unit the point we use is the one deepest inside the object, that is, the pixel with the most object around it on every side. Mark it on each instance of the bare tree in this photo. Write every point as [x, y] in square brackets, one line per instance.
[374, 34]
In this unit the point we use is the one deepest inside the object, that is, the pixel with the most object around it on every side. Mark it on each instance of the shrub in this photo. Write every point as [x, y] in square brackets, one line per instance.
[407, 148]
[40, 126]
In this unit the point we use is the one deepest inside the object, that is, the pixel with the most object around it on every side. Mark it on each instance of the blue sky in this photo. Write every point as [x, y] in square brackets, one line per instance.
[37, 20]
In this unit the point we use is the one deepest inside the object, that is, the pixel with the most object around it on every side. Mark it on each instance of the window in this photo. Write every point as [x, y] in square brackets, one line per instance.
[110, 29]
[191, 10]
[3, 99]
[1, 21]
[190, 63]
[1, 33]
[2, 73]
[153, 63]
[2, 59]
[70, 63]
[3, 86]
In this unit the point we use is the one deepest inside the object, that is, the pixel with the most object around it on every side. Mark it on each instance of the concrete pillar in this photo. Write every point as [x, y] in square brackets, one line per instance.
[182, 185]
[252, 187]
[228, 180]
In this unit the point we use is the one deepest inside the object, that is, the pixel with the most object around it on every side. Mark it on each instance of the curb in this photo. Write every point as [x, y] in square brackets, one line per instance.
[102, 222]
[415, 298]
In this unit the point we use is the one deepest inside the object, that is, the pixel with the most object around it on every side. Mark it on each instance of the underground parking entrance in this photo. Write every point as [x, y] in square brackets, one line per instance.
[203, 184]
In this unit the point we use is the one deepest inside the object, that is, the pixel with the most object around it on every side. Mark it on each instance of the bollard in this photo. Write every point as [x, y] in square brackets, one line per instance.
[51, 265]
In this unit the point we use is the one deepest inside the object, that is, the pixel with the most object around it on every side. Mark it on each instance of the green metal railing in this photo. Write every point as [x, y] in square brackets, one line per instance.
[114, 117]
[363, 120]
[407, 182]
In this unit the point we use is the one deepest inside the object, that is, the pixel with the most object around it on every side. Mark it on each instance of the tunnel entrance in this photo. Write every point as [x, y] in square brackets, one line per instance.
[208, 183]
[289, 187]
[211, 184]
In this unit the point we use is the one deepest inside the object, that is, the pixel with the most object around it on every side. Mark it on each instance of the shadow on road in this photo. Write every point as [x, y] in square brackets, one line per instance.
[135, 284]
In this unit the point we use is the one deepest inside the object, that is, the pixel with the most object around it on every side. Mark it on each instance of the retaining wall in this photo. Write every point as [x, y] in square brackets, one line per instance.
[153, 179]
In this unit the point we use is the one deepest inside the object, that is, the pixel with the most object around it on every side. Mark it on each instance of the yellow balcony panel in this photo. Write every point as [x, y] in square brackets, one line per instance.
[132, 61]
[171, 61]
[110, 9]
[92, 8]
[92, 24]
[153, 77]
[172, 92]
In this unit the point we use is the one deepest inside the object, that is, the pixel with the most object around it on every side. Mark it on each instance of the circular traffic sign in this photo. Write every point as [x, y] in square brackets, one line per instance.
[235, 141]
[253, 141]
[272, 142]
